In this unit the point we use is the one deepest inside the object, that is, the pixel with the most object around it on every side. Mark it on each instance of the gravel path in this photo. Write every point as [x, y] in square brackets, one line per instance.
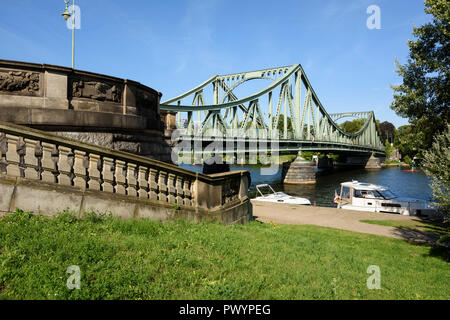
[336, 218]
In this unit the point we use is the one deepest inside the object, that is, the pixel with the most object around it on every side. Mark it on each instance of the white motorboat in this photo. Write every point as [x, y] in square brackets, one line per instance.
[370, 197]
[278, 197]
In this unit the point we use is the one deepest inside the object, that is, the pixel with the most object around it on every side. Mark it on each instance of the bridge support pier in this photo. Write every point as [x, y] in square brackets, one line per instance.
[299, 171]
[374, 162]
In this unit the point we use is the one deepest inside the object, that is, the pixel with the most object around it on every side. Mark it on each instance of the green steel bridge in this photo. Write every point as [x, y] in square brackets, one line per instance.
[305, 124]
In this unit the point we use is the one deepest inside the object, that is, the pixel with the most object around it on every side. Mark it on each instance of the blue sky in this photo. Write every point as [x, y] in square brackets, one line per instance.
[173, 46]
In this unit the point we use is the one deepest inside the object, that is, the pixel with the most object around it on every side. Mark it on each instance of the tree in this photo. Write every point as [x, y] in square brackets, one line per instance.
[387, 131]
[352, 126]
[280, 125]
[405, 141]
[436, 164]
[388, 149]
[423, 97]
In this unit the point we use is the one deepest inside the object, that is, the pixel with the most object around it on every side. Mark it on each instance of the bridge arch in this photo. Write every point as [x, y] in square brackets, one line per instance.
[289, 96]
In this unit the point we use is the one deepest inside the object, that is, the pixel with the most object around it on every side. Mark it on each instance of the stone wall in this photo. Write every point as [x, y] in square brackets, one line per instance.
[46, 173]
[111, 112]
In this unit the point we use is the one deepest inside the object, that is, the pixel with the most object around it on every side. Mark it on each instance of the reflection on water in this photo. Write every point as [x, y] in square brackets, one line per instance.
[402, 183]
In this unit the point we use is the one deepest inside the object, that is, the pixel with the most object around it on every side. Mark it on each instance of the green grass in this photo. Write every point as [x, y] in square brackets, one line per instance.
[179, 260]
[285, 158]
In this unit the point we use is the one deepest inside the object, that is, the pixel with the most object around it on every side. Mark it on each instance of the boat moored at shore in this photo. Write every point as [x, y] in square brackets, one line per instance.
[375, 198]
[279, 197]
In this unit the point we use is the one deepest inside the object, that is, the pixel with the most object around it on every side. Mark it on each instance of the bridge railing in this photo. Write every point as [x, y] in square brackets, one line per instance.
[35, 155]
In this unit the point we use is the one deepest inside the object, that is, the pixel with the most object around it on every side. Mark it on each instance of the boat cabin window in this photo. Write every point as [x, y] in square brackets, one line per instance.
[368, 194]
[345, 193]
[358, 194]
[374, 194]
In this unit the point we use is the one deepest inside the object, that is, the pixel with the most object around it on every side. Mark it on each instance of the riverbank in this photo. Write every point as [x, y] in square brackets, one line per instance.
[338, 218]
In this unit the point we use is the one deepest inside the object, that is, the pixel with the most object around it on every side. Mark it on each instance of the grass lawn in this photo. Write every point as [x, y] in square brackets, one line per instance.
[180, 260]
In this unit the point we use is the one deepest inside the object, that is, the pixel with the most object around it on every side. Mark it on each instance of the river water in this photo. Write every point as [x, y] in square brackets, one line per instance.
[402, 183]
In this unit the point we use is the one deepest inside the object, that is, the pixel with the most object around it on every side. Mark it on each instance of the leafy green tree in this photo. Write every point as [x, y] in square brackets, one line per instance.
[407, 160]
[387, 131]
[436, 164]
[423, 97]
[280, 125]
[352, 126]
[405, 141]
[307, 155]
[388, 149]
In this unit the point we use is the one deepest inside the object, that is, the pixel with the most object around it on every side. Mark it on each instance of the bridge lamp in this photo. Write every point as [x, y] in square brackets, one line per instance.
[66, 15]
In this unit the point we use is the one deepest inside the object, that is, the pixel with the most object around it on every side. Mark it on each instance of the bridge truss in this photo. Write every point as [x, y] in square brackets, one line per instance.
[305, 124]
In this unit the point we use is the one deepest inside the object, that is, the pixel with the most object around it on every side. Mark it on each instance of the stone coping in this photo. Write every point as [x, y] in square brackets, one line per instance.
[66, 70]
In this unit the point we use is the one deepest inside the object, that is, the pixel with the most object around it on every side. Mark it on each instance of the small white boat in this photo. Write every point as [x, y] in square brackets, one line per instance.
[375, 198]
[278, 197]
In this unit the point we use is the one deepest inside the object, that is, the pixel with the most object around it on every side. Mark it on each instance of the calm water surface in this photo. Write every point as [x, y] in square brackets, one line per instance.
[402, 183]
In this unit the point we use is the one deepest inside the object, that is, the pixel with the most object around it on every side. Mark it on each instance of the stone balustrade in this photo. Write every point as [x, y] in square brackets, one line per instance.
[35, 160]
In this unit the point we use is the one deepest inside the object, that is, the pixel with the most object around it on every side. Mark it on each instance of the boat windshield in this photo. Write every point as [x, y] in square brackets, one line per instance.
[374, 194]
[387, 194]
[266, 190]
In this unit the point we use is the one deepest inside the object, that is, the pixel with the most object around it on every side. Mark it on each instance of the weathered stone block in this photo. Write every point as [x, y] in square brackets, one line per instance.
[6, 192]
[118, 208]
[45, 199]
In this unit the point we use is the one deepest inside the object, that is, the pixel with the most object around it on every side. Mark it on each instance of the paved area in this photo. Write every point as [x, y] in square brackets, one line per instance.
[336, 218]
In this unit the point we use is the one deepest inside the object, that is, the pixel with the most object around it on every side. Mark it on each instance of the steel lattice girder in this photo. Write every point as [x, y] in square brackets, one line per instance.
[310, 120]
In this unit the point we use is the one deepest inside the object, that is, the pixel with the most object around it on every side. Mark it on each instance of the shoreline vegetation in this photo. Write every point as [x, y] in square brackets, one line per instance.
[143, 259]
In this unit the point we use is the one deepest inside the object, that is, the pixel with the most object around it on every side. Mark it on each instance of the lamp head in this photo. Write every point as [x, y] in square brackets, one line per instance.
[66, 15]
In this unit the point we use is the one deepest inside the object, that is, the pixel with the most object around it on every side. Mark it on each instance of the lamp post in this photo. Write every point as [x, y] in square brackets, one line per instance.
[66, 15]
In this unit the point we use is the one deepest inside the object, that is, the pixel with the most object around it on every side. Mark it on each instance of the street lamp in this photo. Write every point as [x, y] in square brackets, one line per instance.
[66, 15]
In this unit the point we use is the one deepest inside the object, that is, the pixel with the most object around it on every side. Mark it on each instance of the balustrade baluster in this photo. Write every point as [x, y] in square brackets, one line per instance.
[93, 172]
[65, 166]
[48, 165]
[12, 157]
[179, 190]
[79, 169]
[120, 177]
[153, 184]
[187, 193]
[108, 175]
[131, 179]
[171, 188]
[30, 160]
[143, 184]
[162, 186]
[21, 153]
